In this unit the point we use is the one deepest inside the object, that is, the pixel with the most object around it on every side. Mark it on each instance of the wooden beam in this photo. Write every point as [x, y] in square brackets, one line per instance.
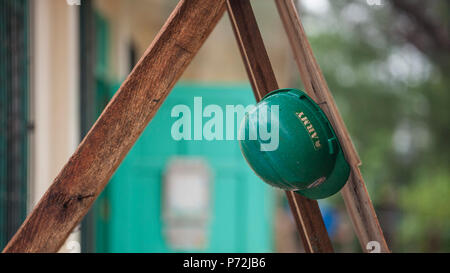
[355, 194]
[88, 171]
[306, 212]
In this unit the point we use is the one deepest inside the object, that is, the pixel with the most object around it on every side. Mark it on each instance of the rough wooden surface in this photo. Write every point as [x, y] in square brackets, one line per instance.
[88, 171]
[355, 194]
[306, 212]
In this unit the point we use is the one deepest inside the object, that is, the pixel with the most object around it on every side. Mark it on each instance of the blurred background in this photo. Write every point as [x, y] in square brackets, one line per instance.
[387, 63]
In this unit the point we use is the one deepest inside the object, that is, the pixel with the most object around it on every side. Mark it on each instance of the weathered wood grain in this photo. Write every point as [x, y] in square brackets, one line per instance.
[356, 197]
[88, 171]
[306, 212]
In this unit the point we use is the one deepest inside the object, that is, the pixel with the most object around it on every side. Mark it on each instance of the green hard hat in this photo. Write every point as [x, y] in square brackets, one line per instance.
[307, 159]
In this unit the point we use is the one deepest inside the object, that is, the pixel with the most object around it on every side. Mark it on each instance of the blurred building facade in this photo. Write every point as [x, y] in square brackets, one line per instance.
[73, 60]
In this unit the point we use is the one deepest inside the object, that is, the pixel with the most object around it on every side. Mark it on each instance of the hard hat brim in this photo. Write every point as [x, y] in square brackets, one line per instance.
[334, 182]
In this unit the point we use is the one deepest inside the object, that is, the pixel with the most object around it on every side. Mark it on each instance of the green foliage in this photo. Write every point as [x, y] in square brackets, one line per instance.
[426, 213]
[394, 99]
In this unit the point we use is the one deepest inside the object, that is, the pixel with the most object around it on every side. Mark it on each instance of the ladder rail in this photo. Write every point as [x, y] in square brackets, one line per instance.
[355, 195]
[306, 212]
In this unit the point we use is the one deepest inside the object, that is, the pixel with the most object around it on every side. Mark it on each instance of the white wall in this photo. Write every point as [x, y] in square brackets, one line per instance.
[54, 86]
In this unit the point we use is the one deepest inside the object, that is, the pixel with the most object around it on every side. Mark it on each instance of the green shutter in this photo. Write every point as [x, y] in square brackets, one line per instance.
[14, 69]
[242, 213]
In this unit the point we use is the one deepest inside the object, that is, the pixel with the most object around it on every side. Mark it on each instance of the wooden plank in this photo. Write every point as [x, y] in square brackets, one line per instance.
[355, 194]
[306, 212]
[88, 171]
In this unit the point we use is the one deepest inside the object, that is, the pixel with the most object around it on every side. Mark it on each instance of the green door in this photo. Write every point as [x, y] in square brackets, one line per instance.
[130, 213]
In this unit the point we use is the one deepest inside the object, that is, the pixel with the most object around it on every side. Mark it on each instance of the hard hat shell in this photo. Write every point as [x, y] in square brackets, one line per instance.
[308, 159]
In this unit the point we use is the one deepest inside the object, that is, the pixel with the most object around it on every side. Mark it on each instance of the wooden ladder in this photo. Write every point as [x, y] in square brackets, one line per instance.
[90, 168]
